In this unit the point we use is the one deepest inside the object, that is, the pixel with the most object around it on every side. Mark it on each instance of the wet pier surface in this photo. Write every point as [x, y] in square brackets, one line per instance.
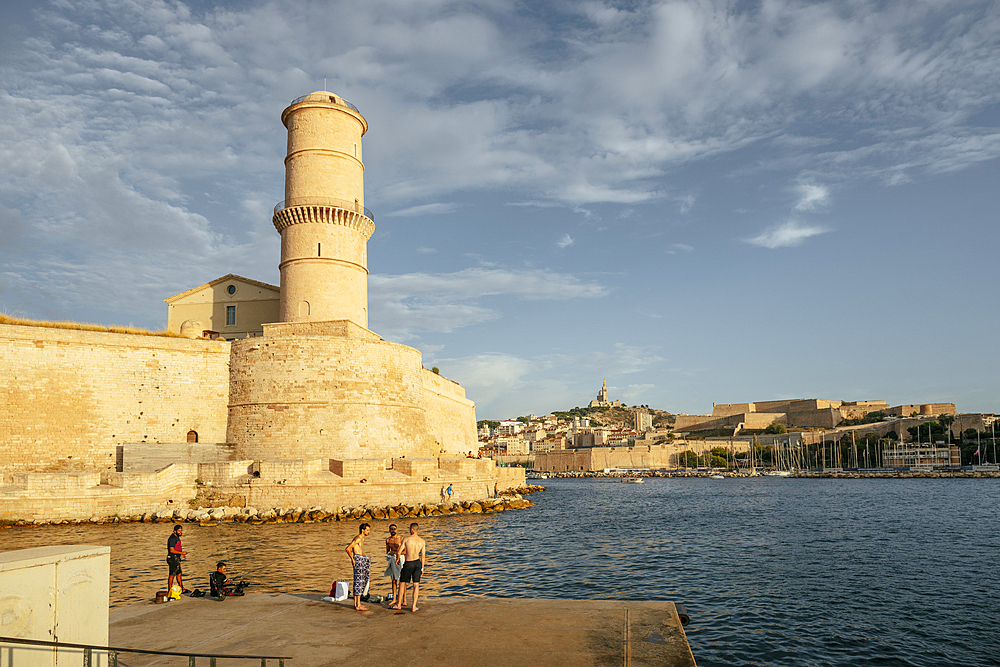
[445, 631]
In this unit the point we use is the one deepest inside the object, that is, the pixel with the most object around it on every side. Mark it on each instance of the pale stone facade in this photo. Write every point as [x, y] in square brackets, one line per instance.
[232, 306]
[602, 398]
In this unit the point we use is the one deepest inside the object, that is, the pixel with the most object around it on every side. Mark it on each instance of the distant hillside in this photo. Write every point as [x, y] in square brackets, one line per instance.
[622, 417]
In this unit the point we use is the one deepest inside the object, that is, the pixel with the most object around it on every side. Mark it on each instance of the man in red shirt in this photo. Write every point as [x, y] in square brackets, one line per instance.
[175, 553]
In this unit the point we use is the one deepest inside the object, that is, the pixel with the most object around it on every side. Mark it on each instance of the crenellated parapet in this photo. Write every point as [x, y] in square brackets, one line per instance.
[329, 213]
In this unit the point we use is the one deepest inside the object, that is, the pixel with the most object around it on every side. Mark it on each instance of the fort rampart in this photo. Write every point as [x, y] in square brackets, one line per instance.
[71, 397]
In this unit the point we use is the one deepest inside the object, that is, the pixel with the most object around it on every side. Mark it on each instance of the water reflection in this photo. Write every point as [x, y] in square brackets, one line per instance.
[774, 571]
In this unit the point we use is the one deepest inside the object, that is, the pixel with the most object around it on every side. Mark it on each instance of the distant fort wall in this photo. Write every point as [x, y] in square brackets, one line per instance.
[70, 397]
[645, 456]
[726, 409]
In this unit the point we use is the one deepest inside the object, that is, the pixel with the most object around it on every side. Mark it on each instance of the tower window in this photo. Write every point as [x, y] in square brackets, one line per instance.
[230, 316]
[319, 249]
[355, 149]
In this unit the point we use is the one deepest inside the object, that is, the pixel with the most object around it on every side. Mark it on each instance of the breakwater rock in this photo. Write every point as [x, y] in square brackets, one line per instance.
[512, 499]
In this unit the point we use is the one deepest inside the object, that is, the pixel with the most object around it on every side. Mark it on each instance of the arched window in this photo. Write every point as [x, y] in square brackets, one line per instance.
[192, 436]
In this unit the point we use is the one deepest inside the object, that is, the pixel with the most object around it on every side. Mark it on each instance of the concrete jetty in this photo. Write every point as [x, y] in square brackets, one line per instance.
[445, 631]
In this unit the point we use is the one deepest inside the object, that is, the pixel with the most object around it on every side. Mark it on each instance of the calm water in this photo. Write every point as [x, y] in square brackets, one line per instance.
[773, 571]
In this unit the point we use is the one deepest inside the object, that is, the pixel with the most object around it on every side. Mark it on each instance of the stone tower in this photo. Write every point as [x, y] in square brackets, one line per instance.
[319, 385]
[323, 222]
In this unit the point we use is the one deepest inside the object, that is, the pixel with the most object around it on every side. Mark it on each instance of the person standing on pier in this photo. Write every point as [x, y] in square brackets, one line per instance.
[175, 553]
[393, 567]
[360, 564]
[415, 549]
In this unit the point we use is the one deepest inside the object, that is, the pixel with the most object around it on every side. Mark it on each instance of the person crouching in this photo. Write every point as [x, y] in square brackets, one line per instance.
[220, 584]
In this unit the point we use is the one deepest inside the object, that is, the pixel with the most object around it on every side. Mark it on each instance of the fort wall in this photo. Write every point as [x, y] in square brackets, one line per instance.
[683, 421]
[322, 396]
[71, 397]
[820, 418]
[726, 409]
[922, 409]
[450, 416]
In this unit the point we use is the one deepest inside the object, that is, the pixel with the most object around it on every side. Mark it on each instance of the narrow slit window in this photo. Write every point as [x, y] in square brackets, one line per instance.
[319, 249]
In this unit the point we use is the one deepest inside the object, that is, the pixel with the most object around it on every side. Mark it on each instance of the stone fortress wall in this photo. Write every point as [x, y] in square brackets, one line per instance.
[805, 412]
[313, 396]
[318, 409]
[71, 397]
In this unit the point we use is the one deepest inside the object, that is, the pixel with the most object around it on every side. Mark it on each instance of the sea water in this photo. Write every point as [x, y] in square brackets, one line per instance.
[773, 571]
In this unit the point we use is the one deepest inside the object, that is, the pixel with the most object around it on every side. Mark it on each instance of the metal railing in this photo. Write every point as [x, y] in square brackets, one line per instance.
[113, 651]
[342, 100]
[324, 201]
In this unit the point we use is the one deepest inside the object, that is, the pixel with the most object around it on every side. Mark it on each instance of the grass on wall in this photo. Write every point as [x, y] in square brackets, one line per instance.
[83, 326]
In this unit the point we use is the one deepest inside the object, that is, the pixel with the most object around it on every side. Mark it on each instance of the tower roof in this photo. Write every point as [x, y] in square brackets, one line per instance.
[325, 97]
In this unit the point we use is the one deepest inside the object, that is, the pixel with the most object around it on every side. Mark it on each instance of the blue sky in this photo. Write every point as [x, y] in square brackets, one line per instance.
[699, 201]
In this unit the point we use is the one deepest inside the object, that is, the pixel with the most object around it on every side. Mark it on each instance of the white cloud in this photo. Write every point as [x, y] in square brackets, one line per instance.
[679, 247]
[423, 250]
[403, 306]
[505, 384]
[119, 116]
[637, 393]
[786, 234]
[425, 209]
[565, 241]
[811, 197]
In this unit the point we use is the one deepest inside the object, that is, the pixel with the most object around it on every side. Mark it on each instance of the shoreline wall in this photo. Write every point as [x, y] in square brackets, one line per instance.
[45, 497]
[71, 397]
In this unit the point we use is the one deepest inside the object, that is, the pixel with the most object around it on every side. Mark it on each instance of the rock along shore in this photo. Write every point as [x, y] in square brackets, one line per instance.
[511, 499]
[828, 474]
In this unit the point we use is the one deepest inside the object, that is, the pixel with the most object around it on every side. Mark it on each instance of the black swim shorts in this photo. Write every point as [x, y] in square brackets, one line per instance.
[174, 563]
[411, 572]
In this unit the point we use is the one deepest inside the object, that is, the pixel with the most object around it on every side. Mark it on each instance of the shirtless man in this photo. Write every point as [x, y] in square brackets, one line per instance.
[360, 563]
[415, 549]
[392, 544]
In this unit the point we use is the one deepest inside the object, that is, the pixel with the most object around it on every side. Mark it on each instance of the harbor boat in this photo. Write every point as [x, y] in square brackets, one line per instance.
[535, 475]
[779, 473]
[716, 476]
[632, 480]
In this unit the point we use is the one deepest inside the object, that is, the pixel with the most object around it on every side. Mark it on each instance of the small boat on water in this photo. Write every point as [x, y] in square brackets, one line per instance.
[779, 473]
[535, 475]
[716, 476]
[632, 480]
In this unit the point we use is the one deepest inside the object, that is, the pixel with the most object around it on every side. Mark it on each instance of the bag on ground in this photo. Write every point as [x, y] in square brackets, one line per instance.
[339, 591]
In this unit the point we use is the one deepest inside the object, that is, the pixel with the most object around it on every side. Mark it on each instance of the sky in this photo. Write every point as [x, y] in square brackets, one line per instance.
[698, 201]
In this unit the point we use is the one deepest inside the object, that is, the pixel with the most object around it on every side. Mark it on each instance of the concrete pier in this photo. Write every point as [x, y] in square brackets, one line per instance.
[445, 631]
